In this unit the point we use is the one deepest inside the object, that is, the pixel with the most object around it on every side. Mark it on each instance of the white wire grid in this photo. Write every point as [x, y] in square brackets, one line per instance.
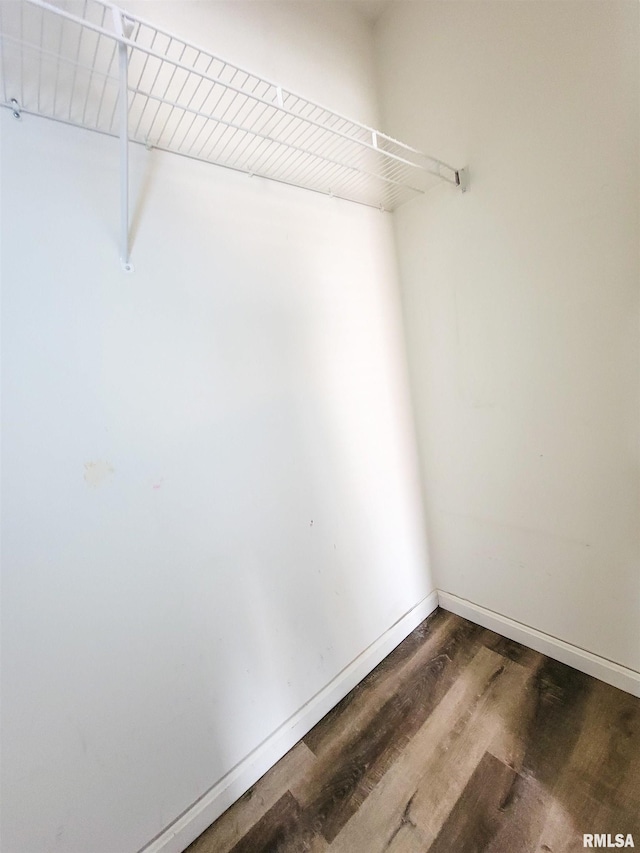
[61, 61]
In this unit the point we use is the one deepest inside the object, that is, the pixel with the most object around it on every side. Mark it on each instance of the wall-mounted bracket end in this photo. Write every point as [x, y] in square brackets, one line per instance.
[15, 108]
[462, 179]
[127, 266]
[123, 25]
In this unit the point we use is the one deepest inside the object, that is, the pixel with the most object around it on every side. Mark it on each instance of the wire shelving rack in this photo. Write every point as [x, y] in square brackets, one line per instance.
[91, 64]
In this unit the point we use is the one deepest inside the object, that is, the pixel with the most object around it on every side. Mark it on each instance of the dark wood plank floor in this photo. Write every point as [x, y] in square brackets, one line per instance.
[459, 742]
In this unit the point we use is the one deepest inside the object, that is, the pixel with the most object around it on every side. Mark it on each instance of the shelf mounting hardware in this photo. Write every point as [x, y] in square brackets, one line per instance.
[462, 179]
[15, 108]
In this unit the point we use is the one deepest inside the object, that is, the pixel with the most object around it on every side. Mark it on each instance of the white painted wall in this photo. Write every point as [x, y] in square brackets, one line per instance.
[210, 497]
[521, 304]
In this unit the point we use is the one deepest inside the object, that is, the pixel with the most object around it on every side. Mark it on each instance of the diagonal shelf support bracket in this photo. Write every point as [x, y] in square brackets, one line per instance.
[123, 28]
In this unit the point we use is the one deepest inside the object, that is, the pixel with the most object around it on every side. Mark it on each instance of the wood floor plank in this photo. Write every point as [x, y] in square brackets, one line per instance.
[477, 814]
[524, 811]
[250, 808]
[598, 788]
[348, 769]
[561, 696]
[283, 829]
[510, 648]
[517, 710]
[607, 757]
[378, 818]
[548, 742]
[489, 725]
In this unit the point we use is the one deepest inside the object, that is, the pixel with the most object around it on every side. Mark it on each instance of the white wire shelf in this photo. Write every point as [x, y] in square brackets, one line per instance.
[70, 61]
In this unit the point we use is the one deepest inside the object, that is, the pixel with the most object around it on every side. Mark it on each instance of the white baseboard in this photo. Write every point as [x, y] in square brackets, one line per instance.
[606, 670]
[226, 791]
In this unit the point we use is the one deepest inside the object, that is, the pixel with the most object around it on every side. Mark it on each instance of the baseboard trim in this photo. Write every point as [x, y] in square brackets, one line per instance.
[606, 670]
[193, 822]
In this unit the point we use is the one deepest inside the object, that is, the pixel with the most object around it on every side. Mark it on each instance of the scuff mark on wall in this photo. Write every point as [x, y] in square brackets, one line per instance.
[96, 473]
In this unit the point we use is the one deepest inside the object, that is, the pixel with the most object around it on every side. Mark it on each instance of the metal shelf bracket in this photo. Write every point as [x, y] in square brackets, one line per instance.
[123, 28]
